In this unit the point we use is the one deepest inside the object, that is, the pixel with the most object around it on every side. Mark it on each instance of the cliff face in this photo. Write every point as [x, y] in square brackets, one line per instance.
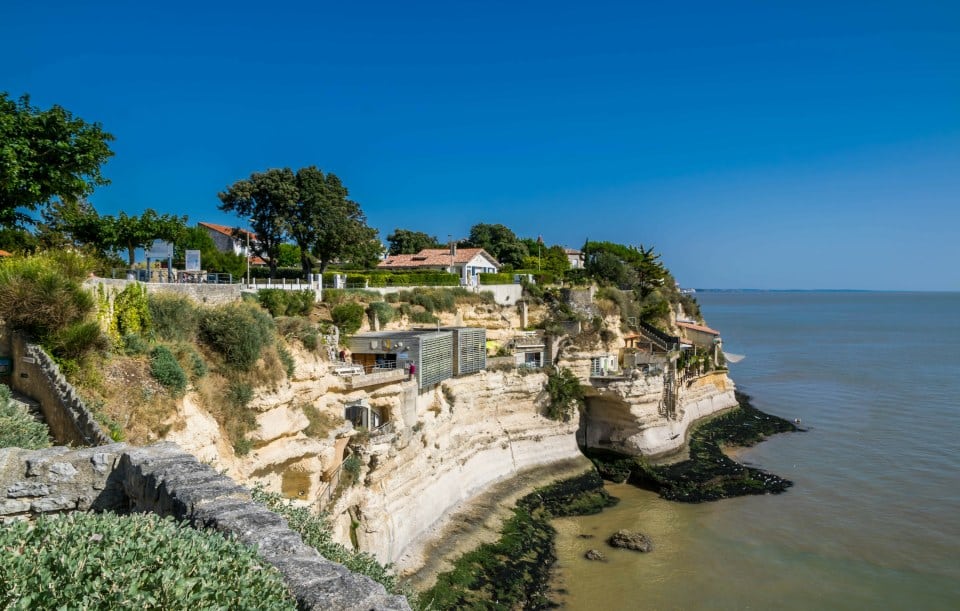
[444, 446]
[629, 415]
[471, 432]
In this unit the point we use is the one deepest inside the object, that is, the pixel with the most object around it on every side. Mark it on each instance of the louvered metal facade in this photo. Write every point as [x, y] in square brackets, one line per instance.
[430, 350]
[469, 349]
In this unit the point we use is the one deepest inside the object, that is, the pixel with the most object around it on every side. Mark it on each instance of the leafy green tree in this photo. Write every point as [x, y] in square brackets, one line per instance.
[332, 225]
[46, 154]
[499, 241]
[406, 242]
[267, 199]
[289, 255]
[125, 232]
[17, 240]
[73, 223]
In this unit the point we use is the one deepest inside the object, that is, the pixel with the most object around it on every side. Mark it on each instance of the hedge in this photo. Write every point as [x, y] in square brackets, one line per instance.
[387, 278]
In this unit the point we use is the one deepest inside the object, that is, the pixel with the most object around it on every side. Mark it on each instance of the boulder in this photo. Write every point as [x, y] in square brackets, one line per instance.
[631, 540]
[594, 554]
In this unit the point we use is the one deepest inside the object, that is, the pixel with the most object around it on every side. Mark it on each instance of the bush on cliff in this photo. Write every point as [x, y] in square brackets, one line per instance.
[42, 295]
[139, 561]
[565, 394]
[348, 317]
[175, 318]
[238, 331]
[18, 429]
[165, 369]
[280, 302]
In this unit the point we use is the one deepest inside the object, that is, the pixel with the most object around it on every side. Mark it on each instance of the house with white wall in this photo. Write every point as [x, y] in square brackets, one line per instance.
[468, 263]
[236, 241]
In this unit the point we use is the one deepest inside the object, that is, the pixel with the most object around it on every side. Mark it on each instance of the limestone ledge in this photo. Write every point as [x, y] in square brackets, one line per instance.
[492, 430]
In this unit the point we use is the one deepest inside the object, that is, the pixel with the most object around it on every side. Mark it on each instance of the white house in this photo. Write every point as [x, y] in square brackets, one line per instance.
[223, 236]
[575, 257]
[468, 263]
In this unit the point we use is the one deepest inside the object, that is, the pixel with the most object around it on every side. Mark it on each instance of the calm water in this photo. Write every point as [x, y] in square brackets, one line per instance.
[873, 519]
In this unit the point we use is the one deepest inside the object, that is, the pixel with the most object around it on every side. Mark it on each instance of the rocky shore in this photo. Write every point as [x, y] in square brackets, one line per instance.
[708, 474]
[514, 572]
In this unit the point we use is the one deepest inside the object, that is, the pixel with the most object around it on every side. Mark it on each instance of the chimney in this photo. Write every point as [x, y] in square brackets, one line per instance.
[453, 248]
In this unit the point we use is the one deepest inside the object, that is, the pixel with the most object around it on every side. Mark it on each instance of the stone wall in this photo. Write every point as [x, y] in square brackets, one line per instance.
[210, 294]
[38, 377]
[165, 480]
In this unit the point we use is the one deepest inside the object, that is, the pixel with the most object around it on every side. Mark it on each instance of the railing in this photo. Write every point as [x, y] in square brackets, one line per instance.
[326, 494]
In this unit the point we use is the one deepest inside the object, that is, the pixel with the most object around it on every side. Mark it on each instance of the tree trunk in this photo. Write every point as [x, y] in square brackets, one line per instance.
[131, 252]
[306, 264]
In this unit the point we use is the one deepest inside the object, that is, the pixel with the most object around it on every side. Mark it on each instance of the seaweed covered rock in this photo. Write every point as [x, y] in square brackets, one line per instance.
[709, 474]
[514, 572]
[595, 554]
[627, 539]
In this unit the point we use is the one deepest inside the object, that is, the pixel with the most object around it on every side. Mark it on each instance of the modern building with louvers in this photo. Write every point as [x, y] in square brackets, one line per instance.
[437, 354]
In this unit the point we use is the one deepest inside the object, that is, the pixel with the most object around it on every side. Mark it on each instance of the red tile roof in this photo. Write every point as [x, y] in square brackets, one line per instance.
[434, 257]
[695, 327]
[225, 230]
[4, 253]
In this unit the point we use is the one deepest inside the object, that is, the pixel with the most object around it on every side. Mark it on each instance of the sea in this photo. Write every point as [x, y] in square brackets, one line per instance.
[873, 518]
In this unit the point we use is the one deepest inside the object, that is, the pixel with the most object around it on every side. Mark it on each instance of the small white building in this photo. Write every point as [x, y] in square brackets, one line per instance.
[228, 241]
[468, 263]
[575, 257]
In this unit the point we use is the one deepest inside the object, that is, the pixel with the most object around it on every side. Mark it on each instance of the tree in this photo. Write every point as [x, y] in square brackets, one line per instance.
[267, 199]
[499, 241]
[46, 154]
[124, 232]
[309, 207]
[289, 255]
[73, 223]
[336, 226]
[211, 259]
[406, 242]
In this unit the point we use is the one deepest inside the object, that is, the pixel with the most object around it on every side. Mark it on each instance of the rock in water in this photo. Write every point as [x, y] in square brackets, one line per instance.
[594, 554]
[631, 540]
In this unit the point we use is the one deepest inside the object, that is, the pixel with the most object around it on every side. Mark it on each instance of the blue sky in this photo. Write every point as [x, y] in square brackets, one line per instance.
[754, 144]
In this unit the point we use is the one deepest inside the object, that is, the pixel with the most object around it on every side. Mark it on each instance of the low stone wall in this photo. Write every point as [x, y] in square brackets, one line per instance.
[210, 294]
[165, 480]
[38, 377]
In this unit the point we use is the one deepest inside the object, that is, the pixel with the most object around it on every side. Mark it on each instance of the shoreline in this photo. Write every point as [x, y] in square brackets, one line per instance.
[527, 539]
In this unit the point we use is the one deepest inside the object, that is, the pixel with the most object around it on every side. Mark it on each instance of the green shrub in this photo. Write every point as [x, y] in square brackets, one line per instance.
[165, 369]
[422, 317]
[237, 331]
[299, 328]
[19, 429]
[382, 310]
[42, 294]
[334, 296]
[77, 339]
[281, 302]
[131, 312]
[133, 345]
[501, 278]
[174, 318]
[348, 317]
[565, 394]
[289, 365]
[187, 354]
[138, 561]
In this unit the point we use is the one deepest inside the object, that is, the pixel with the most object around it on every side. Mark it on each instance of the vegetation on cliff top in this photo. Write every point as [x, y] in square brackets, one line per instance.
[137, 561]
[18, 428]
